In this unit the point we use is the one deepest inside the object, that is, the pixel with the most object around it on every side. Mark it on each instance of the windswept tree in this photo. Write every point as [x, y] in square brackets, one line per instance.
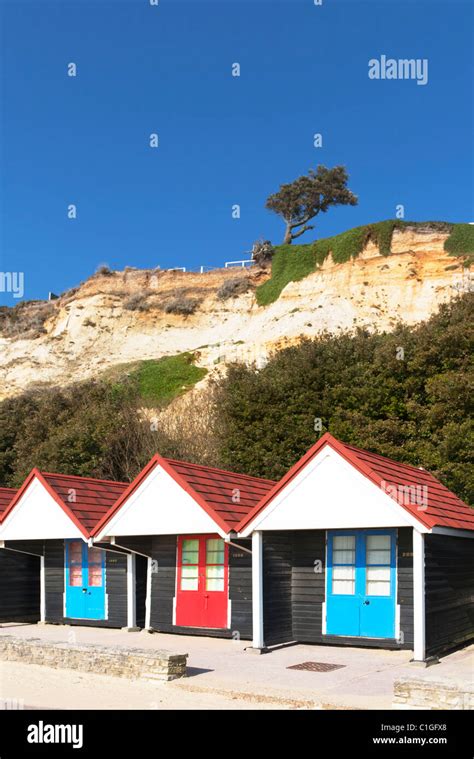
[300, 201]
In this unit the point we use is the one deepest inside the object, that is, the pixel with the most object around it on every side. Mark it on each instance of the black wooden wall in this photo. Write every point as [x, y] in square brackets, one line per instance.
[294, 589]
[162, 548]
[449, 584]
[405, 584]
[277, 592]
[19, 587]
[116, 587]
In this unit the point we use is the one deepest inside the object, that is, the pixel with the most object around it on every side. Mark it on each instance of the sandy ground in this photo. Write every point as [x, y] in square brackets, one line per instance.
[222, 674]
[30, 686]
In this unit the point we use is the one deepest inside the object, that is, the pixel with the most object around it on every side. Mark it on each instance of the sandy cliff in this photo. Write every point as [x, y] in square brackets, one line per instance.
[91, 329]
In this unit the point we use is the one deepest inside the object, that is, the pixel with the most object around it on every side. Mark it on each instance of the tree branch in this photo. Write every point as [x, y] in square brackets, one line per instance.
[301, 231]
[303, 221]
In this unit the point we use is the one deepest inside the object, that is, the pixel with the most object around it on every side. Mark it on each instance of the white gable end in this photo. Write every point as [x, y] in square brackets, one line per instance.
[37, 516]
[159, 506]
[329, 493]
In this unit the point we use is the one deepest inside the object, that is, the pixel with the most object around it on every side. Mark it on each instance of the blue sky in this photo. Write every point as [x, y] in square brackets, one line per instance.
[223, 140]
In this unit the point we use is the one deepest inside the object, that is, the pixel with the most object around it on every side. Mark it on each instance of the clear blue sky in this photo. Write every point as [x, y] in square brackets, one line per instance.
[223, 140]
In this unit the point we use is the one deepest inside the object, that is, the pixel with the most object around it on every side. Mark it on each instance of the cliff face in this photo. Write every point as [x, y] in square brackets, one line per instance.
[100, 324]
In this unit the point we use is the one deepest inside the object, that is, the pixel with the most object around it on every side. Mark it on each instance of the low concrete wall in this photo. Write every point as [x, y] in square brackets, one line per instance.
[409, 693]
[117, 661]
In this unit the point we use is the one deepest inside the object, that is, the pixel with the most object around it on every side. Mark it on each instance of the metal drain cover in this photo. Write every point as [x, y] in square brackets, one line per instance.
[317, 666]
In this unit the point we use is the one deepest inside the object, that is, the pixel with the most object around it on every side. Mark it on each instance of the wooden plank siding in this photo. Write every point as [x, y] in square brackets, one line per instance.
[163, 590]
[277, 596]
[294, 593]
[308, 588]
[116, 588]
[449, 587]
[240, 590]
[19, 587]
[405, 584]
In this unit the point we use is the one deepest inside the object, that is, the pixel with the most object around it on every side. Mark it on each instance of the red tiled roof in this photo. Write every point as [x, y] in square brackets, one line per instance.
[6, 496]
[226, 496]
[416, 490]
[87, 498]
[220, 489]
[410, 483]
[84, 499]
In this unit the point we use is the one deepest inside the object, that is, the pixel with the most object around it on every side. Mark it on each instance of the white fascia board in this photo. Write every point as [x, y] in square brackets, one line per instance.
[37, 516]
[330, 493]
[160, 506]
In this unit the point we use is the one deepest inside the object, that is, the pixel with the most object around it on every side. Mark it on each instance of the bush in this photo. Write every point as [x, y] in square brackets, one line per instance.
[104, 271]
[231, 288]
[26, 319]
[97, 428]
[181, 305]
[461, 241]
[417, 409]
[137, 302]
[262, 252]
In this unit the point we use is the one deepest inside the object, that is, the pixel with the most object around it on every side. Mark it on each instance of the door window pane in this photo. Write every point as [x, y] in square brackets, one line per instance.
[214, 551]
[190, 551]
[75, 552]
[343, 549]
[343, 563]
[75, 563]
[95, 576]
[94, 555]
[94, 571]
[189, 578]
[75, 576]
[343, 580]
[214, 578]
[378, 581]
[378, 549]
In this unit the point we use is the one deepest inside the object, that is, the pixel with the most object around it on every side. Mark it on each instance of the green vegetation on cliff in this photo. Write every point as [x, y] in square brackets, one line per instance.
[294, 262]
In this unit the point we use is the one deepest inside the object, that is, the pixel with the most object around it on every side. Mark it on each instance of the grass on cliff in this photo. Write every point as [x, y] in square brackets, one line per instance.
[158, 381]
[292, 263]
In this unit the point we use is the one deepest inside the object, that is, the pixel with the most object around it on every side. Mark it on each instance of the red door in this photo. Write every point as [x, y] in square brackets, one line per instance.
[203, 574]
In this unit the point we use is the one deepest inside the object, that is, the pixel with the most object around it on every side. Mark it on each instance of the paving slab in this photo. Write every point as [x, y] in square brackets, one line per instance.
[223, 667]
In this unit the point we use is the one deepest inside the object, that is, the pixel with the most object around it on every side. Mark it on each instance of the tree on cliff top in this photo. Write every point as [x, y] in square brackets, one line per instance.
[305, 197]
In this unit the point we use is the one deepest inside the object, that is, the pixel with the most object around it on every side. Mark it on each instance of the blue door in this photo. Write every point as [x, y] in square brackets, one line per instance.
[360, 597]
[85, 581]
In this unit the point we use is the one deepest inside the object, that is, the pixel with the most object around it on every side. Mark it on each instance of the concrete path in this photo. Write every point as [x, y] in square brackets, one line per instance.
[221, 674]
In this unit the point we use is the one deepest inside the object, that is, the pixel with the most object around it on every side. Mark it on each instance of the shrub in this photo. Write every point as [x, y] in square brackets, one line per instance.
[461, 241]
[104, 271]
[181, 305]
[231, 288]
[416, 410]
[26, 319]
[262, 252]
[137, 302]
